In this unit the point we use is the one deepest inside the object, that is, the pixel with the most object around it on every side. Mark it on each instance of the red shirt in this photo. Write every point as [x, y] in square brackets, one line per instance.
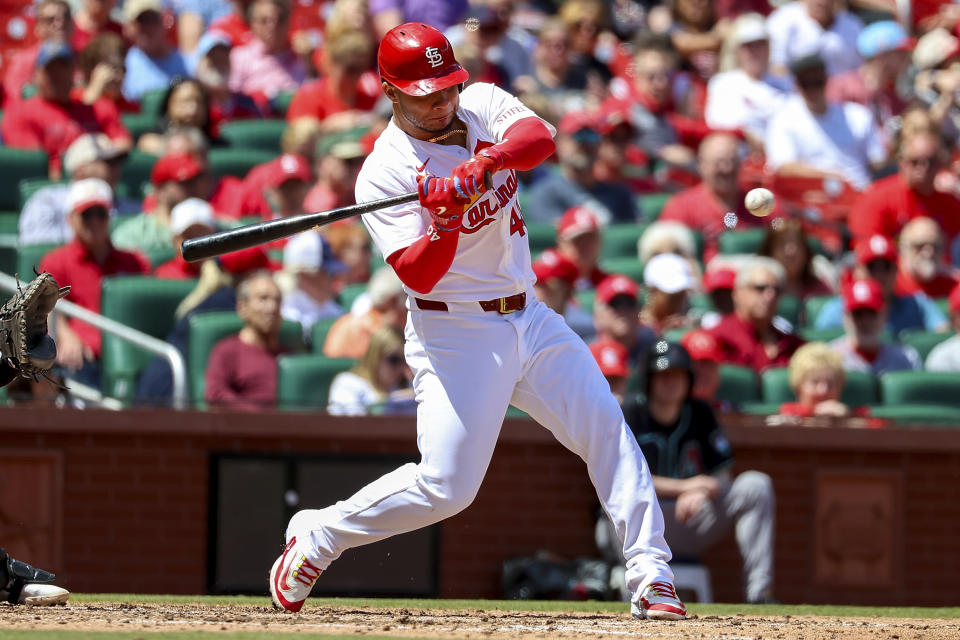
[888, 204]
[122, 104]
[41, 124]
[81, 38]
[178, 269]
[739, 344]
[699, 210]
[73, 265]
[248, 198]
[939, 286]
[319, 99]
[241, 376]
[805, 411]
[18, 74]
[234, 26]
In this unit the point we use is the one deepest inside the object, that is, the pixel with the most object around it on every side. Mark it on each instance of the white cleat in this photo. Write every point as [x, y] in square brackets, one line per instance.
[292, 578]
[659, 601]
[43, 595]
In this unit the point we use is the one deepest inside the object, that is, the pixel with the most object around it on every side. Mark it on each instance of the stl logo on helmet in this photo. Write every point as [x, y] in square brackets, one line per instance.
[434, 57]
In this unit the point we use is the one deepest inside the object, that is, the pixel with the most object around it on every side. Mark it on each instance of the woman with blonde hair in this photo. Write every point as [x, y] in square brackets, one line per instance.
[817, 377]
[380, 379]
[670, 237]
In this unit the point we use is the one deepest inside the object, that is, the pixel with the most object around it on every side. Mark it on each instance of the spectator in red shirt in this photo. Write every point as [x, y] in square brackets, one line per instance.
[348, 88]
[787, 243]
[242, 371]
[705, 357]
[578, 239]
[235, 25]
[286, 185]
[53, 23]
[890, 203]
[748, 336]
[707, 207]
[922, 266]
[191, 218]
[817, 378]
[51, 120]
[103, 67]
[556, 275]
[82, 264]
[611, 357]
[616, 317]
[718, 283]
[91, 20]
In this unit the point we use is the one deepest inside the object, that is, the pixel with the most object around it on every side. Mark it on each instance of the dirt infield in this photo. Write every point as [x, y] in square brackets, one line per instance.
[469, 623]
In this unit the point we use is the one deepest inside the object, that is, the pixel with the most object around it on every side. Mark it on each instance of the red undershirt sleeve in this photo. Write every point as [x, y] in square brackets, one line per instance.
[526, 143]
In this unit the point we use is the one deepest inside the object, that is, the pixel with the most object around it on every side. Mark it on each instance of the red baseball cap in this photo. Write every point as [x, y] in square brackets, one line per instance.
[178, 167]
[719, 278]
[953, 302]
[875, 247]
[577, 221]
[614, 115]
[863, 294]
[612, 357]
[553, 264]
[289, 166]
[575, 121]
[701, 345]
[614, 286]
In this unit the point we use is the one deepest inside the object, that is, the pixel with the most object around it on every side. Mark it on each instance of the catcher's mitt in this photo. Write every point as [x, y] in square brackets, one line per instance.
[24, 342]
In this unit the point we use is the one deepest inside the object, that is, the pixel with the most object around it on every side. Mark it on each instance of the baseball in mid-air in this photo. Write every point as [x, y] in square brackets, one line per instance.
[759, 202]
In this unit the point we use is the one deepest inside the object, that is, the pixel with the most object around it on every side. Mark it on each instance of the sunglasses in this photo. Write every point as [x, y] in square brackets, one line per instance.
[622, 303]
[395, 359]
[922, 161]
[763, 288]
[94, 213]
[880, 265]
[813, 82]
[920, 246]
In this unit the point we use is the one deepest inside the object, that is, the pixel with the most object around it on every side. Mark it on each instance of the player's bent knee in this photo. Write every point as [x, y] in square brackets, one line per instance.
[755, 485]
[448, 497]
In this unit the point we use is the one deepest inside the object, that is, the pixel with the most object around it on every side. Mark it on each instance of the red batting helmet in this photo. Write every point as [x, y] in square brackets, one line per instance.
[418, 59]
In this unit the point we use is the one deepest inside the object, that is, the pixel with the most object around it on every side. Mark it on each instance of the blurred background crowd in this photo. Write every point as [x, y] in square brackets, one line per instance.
[128, 128]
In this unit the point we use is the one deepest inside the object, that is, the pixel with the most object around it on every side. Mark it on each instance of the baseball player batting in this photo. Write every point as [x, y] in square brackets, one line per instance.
[477, 339]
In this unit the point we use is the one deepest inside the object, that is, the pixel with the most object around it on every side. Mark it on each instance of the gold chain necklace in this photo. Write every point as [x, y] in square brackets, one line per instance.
[447, 135]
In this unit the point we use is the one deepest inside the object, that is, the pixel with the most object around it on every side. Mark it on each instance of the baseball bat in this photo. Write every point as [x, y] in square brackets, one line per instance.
[251, 235]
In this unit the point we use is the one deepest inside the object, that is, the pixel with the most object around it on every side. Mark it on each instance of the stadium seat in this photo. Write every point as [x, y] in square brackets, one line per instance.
[139, 123]
[924, 341]
[206, 329]
[738, 385]
[760, 408]
[920, 388]
[811, 308]
[254, 134]
[819, 335]
[789, 309]
[136, 173]
[29, 256]
[746, 241]
[620, 240]
[237, 162]
[919, 415]
[859, 390]
[585, 298]
[8, 242]
[318, 333]
[650, 205]
[676, 335]
[29, 186]
[146, 304]
[542, 235]
[282, 102]
[303, 380]
[159, 255]
[350, 293]
[17, 165]
[944, 305]
[151, 102]
[630, 267]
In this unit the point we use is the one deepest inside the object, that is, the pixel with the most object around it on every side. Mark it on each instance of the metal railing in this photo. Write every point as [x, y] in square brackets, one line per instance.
[167, 351]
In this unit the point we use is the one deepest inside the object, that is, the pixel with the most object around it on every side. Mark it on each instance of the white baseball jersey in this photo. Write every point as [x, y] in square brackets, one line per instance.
[493, 254]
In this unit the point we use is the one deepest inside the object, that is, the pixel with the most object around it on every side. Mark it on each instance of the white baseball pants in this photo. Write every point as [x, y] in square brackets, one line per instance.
[468, 366]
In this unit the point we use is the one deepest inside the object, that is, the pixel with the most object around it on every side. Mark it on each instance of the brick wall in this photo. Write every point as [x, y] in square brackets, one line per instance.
[135, 504]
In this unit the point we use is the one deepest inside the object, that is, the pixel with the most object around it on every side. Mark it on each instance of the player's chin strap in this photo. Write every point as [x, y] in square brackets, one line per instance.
[16, 575]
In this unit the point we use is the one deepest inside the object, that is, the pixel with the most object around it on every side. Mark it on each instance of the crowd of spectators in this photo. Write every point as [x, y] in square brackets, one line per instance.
[847, 111]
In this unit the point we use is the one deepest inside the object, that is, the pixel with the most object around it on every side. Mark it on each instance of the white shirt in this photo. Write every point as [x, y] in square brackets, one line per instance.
[351, 395]
[844, 140]
[735, 101]
[945, 356]
[300, 307]
[493, 254]
[794, 34]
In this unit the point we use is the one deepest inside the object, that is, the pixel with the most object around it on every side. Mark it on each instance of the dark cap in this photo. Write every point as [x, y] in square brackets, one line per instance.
[810, 62]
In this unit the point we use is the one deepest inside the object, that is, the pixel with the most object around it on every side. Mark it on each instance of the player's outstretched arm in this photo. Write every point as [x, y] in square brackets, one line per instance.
[525, 145]
[421, 265]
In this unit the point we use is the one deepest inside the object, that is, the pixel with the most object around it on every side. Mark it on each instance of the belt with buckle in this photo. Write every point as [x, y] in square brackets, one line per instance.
[503, 306]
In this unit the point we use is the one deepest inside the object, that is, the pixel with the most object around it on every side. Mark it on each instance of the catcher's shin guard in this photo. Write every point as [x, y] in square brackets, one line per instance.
[15, 575]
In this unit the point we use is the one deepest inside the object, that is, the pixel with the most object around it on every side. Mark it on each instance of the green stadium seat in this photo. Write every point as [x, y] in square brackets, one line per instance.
[17, 165]
[513, 412]
[746, 241]
[206, 329]
[819, 335]
[542, 235]
[859, 390]
[237, 162]
[701, 302]
[650, 205]
[585, 298]
[136, 173]
[139, 123]
[303, 381]
[738, 385]
[919, 415]
[376, 260]
[9, 221]
[944, 305]
[282, 102]
[811, 308]
[760, 408]
[151, 102]
[620, 240]
[159, 255]
[8, 242]
[630, 267]
[146, 304]
[920, 388]
[254, 134]
[318, 333]
[29, 256]
[350, 293]
[924, 341]
[789, 309]
[29, 186]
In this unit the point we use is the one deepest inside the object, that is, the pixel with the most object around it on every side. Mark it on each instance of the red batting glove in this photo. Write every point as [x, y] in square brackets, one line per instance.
[468, 177]
[438, 196]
